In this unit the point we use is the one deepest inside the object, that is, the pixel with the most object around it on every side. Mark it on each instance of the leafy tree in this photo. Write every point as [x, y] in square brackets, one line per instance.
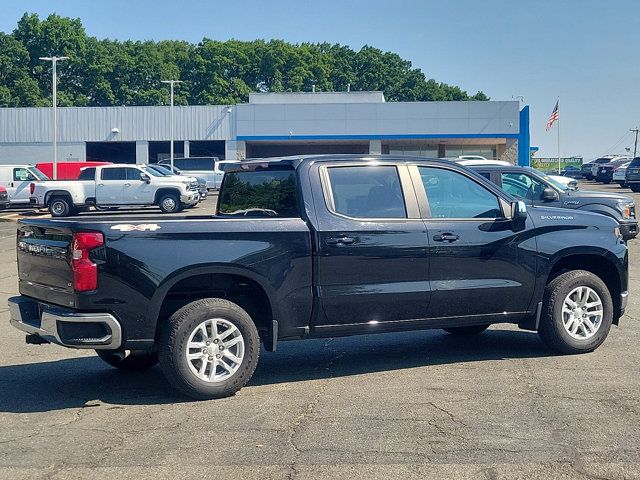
[109, 72]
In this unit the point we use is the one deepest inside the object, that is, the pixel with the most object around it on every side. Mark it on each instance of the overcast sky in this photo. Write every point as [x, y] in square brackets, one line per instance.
[585, 52]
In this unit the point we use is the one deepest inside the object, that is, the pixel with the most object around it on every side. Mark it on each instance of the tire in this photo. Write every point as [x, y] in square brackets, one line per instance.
[552, 328]
[606, 182]
[635, 188]
[60, 207]
[104, 209]
[471, 330]
[169, 203]
[132, 363]
[185, 327]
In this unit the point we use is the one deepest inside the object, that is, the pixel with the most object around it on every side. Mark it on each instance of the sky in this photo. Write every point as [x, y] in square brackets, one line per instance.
[586, 52]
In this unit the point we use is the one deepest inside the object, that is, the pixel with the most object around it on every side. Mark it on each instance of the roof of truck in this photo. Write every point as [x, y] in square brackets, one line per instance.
[296, 160]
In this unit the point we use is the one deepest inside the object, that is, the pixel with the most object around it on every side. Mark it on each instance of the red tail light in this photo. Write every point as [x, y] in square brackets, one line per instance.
[85, 272]
[32, 188]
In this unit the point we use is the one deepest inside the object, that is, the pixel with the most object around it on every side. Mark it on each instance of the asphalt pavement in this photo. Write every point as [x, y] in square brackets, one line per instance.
[410, 405]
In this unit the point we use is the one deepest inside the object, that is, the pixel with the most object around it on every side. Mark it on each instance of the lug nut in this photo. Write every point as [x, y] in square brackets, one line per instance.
[221, 347]
[215, 341]
[210, 358]
[217, 356]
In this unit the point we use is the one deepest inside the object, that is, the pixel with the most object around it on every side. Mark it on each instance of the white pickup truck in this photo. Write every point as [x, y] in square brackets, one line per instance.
[114, 186]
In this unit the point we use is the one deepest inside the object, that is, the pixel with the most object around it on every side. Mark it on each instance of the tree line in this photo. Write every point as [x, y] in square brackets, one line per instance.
[104, 72]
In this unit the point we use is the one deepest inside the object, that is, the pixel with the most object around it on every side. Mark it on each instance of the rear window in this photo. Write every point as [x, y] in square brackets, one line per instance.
[87, 174]
[113, 174]
[194, 163]
[260, 193]
[635, 162]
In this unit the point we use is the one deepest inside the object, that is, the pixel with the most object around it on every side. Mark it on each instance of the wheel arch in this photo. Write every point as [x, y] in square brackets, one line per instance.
[57, 193]
[164, 191]
[237, 284]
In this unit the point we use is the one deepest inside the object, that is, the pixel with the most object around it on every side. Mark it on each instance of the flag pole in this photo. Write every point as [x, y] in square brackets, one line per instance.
[559, 136]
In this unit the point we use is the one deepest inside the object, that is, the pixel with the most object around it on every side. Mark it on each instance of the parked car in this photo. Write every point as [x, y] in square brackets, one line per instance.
[538, 189]
[204, 167]
[479, 161]
[619, 174]
[570, 183]
[114, 186]
[4, 198]
[605, 171]
[67, 170]
[571, 171]
[224, 165]
[16, 180]
[166, 171]
[318, 246]
[632, 175]
[589, 169]
[603, 161]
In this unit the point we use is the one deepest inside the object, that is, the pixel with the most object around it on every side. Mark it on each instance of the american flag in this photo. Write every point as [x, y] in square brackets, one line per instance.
[555, 115]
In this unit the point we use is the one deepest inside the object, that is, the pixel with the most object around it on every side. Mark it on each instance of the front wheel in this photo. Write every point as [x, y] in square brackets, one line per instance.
[209, 349]
[577, 312]
[471, 330]
[169, 203]
[635, 188]
[128, 362]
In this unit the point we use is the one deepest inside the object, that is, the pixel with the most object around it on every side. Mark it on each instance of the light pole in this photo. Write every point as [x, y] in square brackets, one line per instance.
[171, 84]
[54, 87]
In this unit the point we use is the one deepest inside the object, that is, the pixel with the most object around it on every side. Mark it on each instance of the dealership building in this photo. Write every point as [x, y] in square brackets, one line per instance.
[270, 124]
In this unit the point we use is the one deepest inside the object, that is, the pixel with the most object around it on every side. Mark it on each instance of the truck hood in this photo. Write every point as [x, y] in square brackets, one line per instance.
[602, 197]
[563, 216]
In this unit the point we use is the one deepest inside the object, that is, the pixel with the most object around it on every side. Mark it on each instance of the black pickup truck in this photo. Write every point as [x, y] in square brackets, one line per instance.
[317, 246]
[536, 188]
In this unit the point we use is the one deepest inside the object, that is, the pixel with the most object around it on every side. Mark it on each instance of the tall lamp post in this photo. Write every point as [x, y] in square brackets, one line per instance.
[171, 84]
[54, 87]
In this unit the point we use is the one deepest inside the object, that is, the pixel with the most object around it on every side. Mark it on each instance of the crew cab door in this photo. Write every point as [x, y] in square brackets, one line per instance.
[372, 256]
[136, 191]
[479, 265]
[110, 186]
[18, 188]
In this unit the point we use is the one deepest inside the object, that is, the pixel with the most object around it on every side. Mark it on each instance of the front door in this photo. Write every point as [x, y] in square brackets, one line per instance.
[372, 255]
[136, 191]
[110, 186]
[479, 264]
[18, 188]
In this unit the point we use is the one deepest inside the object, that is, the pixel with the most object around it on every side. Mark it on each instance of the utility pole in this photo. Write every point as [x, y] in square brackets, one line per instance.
[635, 145]
[54, 87]
[171, 84]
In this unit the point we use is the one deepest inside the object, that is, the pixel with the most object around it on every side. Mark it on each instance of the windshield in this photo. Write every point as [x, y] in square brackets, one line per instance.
[551, 181]
[165, 172]
[38, 174]
[152, 172]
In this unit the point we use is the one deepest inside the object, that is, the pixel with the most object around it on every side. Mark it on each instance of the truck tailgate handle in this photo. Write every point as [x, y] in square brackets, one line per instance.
[446, 237]
[340, 241]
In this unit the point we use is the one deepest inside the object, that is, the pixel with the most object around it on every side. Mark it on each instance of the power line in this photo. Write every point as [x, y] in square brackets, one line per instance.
[615, 145]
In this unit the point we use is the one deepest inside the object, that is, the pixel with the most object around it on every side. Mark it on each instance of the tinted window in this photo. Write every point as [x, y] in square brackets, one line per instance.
[367, 192]
[114, 174]
[87, 174]
[194, 163]
[134, 174]
[522, 186]
[453, 195]
[266, 193]
[635, 162]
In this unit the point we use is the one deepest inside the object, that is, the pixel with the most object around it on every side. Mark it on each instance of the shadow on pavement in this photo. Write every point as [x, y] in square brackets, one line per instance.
[71, 383]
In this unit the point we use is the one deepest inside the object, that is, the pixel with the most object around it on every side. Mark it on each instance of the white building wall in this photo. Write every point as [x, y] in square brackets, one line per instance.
[33, 153]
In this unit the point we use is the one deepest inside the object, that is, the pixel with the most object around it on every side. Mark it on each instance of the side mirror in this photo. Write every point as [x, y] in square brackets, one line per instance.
[144, 177]
[519, 211]
[550, 195]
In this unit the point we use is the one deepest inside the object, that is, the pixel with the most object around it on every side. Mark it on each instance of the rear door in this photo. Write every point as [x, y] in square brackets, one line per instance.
[372, 252]
[479, 265]
[110, 186]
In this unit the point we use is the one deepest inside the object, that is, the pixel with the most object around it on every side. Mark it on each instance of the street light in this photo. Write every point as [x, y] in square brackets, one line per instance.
[54, 87]
[171, 83]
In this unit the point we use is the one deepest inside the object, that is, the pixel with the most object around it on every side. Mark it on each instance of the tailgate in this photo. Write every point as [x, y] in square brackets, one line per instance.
[44, 259]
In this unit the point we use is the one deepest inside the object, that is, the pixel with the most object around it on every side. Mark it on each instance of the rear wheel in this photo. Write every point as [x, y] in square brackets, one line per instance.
[129, 362]
[169, 203]
[577, 312]
[209, 348]
[471, 330]
[60, 206]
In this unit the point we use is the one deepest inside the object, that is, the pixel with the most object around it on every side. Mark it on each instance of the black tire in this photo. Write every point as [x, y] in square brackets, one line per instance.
[173, 345]
[635, 188]
[606, 182]
[130, 362]
[471, 330]
[60, 207]
[552, 330]
[168, 199]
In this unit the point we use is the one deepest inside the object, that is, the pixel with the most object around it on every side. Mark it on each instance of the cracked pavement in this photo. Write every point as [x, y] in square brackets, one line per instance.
[410, 405]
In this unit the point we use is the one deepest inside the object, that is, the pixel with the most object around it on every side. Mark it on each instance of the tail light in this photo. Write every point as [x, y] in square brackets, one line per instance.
[32, 188]
[85, 272]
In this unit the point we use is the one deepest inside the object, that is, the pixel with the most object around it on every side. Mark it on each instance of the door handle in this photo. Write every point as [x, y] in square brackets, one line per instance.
[127, 184]
[446, 237]
[101, 185]
[340, 241]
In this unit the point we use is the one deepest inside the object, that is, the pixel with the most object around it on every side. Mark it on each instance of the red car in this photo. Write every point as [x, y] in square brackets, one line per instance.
[67, 170]
[4, 198]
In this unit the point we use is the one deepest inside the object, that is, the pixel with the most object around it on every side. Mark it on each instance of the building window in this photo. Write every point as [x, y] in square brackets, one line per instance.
[486, 151]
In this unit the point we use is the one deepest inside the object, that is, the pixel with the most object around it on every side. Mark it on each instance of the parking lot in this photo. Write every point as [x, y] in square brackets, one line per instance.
[409, 405]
